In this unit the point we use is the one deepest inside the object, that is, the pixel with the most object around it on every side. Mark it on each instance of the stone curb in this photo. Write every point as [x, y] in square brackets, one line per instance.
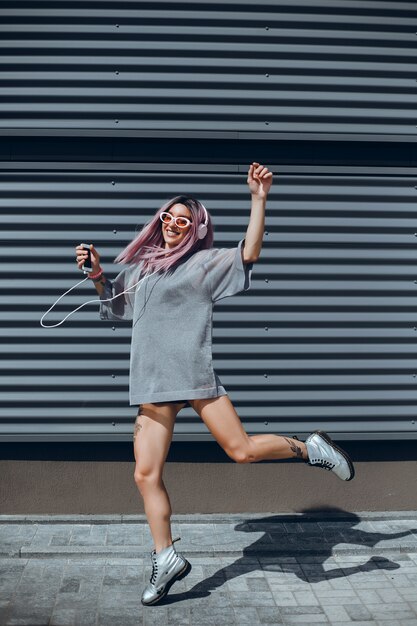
[133, 552]
[209, 518]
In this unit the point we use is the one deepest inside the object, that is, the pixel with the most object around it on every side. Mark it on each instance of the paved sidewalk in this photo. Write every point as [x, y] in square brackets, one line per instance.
[310, 568]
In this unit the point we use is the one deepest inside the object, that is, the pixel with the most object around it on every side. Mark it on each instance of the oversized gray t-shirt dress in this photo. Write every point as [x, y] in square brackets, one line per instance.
[172, 315]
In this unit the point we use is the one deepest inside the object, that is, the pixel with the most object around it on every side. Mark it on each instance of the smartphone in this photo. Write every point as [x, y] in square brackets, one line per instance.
[87, 263]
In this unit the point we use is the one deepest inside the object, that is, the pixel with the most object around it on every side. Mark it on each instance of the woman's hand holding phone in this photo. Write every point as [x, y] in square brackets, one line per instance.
[83, 255]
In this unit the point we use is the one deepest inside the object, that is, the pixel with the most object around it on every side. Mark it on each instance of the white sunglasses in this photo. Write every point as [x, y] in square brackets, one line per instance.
[181, 222]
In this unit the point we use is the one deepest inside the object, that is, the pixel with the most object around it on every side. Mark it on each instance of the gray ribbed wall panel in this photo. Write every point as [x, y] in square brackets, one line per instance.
[326, 336]
[236, 68]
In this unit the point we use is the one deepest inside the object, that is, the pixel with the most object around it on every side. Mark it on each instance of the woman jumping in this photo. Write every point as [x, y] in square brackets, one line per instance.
[171, 354]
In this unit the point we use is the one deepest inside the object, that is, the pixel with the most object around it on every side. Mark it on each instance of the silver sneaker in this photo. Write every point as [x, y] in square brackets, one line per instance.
[323, 452]
[167, 567]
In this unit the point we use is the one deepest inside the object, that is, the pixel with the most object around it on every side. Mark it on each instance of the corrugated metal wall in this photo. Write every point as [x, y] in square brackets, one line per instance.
[326, 336]
[301, 66]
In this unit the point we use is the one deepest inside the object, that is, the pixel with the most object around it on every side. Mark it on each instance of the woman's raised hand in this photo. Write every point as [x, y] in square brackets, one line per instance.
[259, 180]
[82, 255]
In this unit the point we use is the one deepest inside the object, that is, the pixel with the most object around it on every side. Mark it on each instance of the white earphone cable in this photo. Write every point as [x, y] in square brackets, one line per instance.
[89, 301]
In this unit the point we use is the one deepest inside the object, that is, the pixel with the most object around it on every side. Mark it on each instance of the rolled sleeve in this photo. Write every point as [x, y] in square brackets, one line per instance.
[121, 308]
[227, 272]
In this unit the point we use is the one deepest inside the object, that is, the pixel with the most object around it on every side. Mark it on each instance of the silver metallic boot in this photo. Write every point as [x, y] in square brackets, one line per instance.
[323, 452]
[167, 567]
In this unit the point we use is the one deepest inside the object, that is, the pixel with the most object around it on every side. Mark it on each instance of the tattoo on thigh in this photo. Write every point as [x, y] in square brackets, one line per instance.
[294, 447]
[138, 426]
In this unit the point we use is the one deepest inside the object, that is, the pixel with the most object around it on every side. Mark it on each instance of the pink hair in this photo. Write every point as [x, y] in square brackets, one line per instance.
[149, 245]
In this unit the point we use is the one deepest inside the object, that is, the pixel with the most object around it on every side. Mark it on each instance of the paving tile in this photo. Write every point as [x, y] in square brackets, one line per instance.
[358, 612]
[306, 598]
[413, 604]
[389, 596]
[111, 618]
[316, 582]
[337, 601]
[339, 587]
[284, 598]
[70, 585]
[392, 612]
[268, 615]
[301, 619]
[4, 612]
[32, 618]
[293, 528]
[402, 580]
[311, 609]
[361, 623]
[260, 598]
[408, 594]
[341, 583]
[336, 614]
[177, 616]
[257, 584]
[211, 616]
[65, 617]
[345, 593]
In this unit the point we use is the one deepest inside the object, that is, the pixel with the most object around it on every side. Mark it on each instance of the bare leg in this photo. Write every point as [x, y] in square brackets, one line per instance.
[152, 438]
[267, 447]
[158, 512]
[224, 423]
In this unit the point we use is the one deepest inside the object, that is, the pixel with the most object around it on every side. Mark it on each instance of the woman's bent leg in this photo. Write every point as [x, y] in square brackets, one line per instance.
[221, 419]
[152, 437]
[319, 450]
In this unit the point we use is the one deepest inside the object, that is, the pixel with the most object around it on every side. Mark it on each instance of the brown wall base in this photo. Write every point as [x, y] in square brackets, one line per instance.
[104, 486]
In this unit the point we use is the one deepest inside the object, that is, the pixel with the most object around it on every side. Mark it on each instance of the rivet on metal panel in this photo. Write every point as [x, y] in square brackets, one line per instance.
[266, 328]
[116, 121]
[267, 123]
[117, 71]
[266, 423]
[112, 182]
[266, 232]
[114, 230]
[265, 375]
[266, 27]
[267, 75]
[266, 280]
[113, 424]
[113, 375]
[113, 328]
[117, 25]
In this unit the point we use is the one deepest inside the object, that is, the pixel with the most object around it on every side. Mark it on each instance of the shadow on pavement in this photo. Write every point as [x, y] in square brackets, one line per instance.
[312, 570]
